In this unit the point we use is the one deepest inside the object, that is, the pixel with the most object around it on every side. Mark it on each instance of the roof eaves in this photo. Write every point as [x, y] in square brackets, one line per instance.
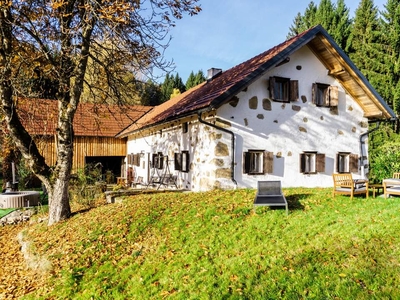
[357, 72]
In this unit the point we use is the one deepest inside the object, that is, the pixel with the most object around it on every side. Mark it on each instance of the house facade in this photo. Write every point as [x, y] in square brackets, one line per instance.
[297, 113]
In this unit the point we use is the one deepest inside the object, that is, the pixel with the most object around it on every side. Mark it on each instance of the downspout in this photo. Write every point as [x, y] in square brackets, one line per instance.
[361, 148]
[233, 144]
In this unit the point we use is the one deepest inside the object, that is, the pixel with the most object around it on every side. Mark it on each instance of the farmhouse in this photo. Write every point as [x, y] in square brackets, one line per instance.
[95, 127]
[295, 113]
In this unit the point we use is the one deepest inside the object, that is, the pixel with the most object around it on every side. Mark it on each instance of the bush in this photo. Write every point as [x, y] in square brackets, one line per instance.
[386, 161]
[86, 186]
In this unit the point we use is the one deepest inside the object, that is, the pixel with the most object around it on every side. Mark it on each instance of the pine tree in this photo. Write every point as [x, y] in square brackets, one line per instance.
[190, 82]
[365, 46]
[391, 42]
[341, 29]
[178, 83]
[167, 88]
[199, 78]
[334, 18]
[303, 22]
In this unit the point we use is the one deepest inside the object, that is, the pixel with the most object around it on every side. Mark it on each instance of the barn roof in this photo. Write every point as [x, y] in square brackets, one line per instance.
[216, 92]
[39, 117]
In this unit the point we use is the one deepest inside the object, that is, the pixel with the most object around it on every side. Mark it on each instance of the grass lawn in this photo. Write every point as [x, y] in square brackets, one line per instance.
[214, 246]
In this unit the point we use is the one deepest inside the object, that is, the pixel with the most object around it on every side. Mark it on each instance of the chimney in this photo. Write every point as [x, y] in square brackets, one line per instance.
[213, 73]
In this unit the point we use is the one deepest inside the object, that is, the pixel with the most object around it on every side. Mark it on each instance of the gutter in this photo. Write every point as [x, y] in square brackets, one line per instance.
[233, 144]
[361, 147]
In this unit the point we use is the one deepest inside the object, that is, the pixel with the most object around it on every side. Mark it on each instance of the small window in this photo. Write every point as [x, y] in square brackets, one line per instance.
[185, 127]
[347, 162]
[312, 162]
[181, 161]
[257, 162]
[158, 160]
[325, 95]
[283, 89]
[134, 159]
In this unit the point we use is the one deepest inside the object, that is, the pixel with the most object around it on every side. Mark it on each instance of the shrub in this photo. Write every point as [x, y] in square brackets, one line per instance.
[86, 185]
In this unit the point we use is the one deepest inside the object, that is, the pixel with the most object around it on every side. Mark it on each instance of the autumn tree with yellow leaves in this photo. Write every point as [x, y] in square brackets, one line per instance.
[66, 35]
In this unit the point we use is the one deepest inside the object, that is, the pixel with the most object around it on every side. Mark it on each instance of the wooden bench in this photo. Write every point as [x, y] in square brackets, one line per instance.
[344, 184]
[269, 193]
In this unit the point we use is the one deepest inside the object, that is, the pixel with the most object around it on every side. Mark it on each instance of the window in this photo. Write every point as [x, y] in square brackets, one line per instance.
[325, 95]
[158, 160]
[181, 161]
[257, 162]
[347, 162]
[136, 159]
[283, 89]
[312, 162]
[185, 127]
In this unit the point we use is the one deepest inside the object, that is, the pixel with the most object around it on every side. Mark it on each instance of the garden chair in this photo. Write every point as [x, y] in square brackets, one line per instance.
[391, 186]
[344, 184]
[269, 193]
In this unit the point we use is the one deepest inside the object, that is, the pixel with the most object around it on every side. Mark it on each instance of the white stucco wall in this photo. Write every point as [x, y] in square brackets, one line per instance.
[291, 128]
[287, 130]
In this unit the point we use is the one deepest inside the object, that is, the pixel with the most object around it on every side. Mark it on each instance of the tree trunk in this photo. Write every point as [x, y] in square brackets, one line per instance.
[59, 208]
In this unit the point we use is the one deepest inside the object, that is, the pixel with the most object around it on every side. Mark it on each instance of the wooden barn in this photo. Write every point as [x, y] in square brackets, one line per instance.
[95, 127]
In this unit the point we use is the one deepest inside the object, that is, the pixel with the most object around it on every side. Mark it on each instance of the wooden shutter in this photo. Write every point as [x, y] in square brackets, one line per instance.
[314, 93]
[272, 87]
[134, 159]
[294, 90]
[178, 161]
[333, 96]
[186, 157]
[353, 163]
[320, 162]
[268, 163]
[246, 162]
[326, 97]
[302, 162]
[337, 170]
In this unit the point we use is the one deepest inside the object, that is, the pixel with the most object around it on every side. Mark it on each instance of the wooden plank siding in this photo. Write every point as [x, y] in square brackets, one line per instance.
[83, 147]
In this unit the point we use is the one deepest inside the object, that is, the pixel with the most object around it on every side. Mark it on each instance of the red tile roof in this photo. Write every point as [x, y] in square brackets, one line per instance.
[216, 92]
[39, 116]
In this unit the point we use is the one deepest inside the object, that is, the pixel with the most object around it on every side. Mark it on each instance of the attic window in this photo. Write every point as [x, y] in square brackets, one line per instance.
[325, 95]
[283, 89]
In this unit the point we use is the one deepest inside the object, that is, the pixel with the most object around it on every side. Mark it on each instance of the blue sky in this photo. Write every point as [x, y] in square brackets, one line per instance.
[226, 33]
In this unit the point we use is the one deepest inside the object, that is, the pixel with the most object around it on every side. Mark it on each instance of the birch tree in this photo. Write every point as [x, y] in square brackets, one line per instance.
[65, 34]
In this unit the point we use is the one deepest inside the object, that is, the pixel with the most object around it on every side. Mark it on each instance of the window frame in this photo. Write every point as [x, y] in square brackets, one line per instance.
[158, 161]
[325, 95]
[312, 162]
[283, 89]
[352, 162]
[181, 161]
[263, 162]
